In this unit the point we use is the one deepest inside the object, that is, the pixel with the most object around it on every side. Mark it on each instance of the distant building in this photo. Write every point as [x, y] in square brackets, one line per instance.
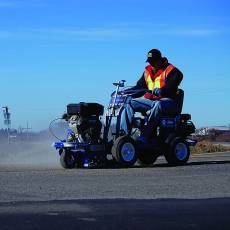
[205, 131]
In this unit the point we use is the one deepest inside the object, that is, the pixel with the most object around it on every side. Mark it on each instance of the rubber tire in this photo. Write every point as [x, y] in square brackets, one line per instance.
[116, 151]
[147, 158]
[67, 159]
[170, 152]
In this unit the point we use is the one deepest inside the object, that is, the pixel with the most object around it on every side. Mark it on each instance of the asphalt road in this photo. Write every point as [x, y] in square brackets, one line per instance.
[195, 196]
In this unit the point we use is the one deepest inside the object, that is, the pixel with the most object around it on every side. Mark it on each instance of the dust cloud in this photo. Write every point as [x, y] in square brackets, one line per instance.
[31, 154]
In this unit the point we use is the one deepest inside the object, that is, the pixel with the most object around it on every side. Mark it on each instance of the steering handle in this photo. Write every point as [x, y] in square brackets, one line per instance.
[119, 83]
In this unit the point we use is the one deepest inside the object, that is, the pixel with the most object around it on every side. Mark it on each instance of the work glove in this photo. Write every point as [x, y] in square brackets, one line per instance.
[156, 92]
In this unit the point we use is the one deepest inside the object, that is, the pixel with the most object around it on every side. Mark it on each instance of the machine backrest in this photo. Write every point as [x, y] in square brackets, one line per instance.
[180, 99]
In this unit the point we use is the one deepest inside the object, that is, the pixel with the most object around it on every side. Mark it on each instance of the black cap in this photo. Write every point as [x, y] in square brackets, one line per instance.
[154, 55]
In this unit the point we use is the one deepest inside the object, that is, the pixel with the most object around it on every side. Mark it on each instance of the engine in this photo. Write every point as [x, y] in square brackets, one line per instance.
[84, 119]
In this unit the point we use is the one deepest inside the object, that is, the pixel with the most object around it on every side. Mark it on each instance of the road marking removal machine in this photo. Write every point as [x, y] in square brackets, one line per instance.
[94, 143]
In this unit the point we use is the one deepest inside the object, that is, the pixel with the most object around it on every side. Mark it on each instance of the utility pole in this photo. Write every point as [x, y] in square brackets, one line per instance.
[7, 120]
[27, 130]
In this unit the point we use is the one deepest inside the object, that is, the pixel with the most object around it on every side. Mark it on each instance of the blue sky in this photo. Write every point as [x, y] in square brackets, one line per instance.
[59, 52]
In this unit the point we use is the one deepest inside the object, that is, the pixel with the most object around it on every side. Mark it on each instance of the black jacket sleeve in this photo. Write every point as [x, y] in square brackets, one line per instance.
[139, 89]
[141, 84]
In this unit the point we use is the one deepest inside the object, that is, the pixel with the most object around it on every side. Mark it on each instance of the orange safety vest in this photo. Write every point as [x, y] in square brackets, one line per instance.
[157, 80]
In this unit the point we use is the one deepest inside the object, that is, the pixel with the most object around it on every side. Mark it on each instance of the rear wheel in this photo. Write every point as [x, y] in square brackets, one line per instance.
[177, 152]
[67, 159]
[124, 151]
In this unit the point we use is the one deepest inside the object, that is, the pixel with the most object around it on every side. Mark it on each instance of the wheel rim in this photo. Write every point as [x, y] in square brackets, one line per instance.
[181, 151]
[128, 152]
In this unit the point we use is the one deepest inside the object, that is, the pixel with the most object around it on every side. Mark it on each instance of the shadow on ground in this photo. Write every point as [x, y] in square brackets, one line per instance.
[117, 214]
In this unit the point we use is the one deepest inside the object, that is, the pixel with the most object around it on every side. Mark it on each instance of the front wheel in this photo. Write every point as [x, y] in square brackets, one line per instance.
[67, 159]
[177, 152]
[124, 151]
